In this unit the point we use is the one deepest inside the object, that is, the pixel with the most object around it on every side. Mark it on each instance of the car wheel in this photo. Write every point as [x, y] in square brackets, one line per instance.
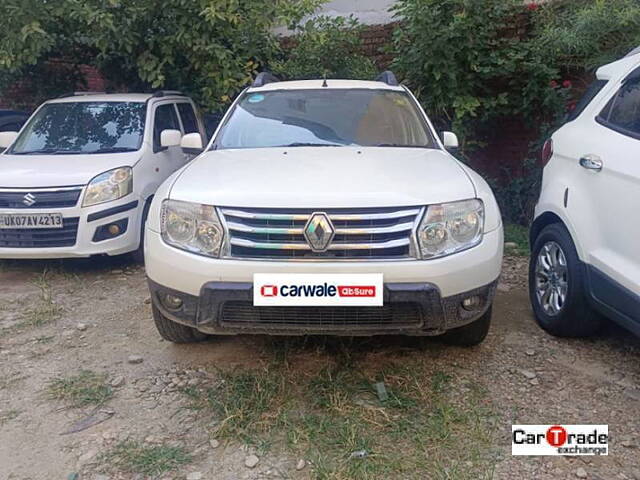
[557, 286]
[175, 332]
[138, 255]
[469, 335]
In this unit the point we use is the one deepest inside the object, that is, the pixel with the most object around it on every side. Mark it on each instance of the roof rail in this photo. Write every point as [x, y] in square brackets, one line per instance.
[635, 51]
[79, 94]
[263, 78]
[388, 77]
[163, 93]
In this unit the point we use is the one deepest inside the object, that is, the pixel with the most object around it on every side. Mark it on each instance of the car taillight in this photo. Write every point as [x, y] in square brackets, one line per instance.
[547, 152]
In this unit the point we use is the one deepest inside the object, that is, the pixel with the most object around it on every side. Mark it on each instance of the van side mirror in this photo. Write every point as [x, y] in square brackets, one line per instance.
[192, 143]
[7, 138]
[170, 138]
[450, 141]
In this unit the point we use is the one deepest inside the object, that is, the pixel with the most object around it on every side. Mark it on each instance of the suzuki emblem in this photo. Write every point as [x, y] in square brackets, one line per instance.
[29, 200]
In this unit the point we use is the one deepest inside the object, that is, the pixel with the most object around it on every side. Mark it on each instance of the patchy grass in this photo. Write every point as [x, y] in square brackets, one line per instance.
[86, 388]
[45, 310]
[433, 424]
[518, 235]
[8, 416]
[137, 458]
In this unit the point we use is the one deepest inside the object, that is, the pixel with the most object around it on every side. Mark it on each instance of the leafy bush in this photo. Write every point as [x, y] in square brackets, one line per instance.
[585, 35]
[470, 64]
[207, 48]
[326, 46]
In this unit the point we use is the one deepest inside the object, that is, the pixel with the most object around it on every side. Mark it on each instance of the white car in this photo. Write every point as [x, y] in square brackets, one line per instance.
[325, 207]
[78, 179]
[586, 235]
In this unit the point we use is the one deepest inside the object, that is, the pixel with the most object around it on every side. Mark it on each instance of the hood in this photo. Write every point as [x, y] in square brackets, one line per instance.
[34, 171]
[323, 177]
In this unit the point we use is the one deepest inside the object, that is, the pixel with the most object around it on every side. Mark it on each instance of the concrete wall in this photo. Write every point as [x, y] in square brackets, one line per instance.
[370, 12]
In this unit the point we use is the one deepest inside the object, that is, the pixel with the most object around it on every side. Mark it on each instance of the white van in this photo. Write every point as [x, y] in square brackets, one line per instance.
[78, 179]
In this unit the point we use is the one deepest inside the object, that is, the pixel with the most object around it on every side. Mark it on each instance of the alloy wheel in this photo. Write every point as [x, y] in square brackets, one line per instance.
[551, 278]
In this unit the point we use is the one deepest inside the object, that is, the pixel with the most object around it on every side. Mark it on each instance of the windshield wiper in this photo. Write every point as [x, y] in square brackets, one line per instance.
[45, 151]
[303, 144]
[398, 145]
[113, 150]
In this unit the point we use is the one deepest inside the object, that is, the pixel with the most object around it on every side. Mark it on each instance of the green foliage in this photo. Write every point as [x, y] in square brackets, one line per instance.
[326, 46]
[470, 66]
[583, 34]
[208, 48]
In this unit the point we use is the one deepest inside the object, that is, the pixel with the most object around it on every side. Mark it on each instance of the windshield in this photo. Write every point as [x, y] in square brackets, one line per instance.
[327, 117]
[83, 127]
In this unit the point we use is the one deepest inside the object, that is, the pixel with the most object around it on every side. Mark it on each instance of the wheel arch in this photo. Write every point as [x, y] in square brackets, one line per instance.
[547, 218]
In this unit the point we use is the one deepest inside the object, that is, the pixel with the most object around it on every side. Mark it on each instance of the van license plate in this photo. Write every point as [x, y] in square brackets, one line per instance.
[30, 221]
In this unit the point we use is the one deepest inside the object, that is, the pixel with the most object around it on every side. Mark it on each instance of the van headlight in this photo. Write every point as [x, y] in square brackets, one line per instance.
[109, 186]
[191, 227]
[451, 227]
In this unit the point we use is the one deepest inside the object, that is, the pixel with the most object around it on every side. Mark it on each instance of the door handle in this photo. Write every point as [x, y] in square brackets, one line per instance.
[591, 162]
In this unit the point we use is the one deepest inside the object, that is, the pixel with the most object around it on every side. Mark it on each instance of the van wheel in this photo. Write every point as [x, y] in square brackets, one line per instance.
[469, 335]
[138, 255]
[175, 332]
[557, 286]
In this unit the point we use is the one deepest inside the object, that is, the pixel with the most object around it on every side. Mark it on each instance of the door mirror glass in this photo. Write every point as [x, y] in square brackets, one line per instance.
[192, 141]
[7, 138]
[450, 140]
[170, 138]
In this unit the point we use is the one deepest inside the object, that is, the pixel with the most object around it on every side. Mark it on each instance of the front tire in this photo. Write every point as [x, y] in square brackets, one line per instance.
[175, 332]
[470, 335]
[557, 286]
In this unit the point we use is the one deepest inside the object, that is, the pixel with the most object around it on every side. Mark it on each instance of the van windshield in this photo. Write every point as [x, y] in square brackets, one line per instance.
[325, 117]
[83, 128]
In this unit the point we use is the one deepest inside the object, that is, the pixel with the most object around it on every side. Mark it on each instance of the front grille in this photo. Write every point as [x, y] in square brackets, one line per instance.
[40, 198]
[41, 238]
[364, 233]
[395, 316]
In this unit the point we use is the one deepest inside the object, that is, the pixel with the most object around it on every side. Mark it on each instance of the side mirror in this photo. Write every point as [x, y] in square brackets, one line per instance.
[192, 143]
[450, 141]
[170, 138]
[7, 138]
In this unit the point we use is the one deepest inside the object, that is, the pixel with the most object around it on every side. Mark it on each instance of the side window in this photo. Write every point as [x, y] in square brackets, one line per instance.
[591, 92]
[165, 119]
[622, 113]
[188, 116]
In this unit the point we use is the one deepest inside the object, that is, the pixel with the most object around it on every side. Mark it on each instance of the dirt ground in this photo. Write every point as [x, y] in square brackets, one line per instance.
[61, 318]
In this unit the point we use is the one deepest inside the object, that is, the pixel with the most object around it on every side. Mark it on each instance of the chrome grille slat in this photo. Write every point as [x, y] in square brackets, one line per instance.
[334, 246]
[360, 233]
[334, 216]
[238, 227]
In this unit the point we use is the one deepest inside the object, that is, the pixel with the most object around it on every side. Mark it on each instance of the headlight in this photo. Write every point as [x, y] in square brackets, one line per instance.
[109, 186]
[451, 227]
[192, 227]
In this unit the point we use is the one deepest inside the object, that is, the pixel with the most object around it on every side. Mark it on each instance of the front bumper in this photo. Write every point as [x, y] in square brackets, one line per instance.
[89, 241]
[415, 309]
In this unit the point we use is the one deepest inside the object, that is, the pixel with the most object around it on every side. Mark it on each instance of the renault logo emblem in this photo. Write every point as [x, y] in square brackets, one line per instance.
[29, 200]
[319, 232]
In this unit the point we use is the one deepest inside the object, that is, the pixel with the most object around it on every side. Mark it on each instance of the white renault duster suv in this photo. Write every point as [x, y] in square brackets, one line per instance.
[79, 177]
[325, 207]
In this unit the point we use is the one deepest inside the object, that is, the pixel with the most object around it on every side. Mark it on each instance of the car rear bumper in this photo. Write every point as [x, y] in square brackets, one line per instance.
[409, 309]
